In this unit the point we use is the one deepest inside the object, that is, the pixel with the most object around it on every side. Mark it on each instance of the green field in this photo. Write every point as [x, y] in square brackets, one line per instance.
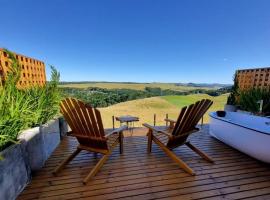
[146, 108]
[133, 86]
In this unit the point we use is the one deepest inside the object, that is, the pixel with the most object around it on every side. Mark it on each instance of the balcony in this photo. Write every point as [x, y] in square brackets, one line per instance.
[138, 175]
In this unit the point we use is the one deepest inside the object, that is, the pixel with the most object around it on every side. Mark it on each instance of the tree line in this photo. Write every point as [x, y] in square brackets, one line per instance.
[100, 97]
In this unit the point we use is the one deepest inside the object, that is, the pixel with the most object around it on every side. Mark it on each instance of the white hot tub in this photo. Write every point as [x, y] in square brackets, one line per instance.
[248, 133]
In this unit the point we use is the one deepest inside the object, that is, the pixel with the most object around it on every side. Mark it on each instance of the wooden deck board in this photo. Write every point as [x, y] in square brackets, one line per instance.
[138, 175]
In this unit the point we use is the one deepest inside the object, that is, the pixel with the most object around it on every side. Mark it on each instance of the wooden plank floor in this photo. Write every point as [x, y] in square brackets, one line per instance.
[138, 175]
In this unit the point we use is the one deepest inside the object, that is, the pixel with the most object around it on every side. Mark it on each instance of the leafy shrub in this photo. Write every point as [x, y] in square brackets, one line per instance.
[22, 109]
[248, 100]
[232, 98]
[46, 99]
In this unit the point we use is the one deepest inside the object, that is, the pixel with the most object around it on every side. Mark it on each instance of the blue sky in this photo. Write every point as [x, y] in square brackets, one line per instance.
[140, 40]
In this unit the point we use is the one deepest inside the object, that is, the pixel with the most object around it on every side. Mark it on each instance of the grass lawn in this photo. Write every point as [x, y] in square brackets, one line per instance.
[181, 101]
[146, 108]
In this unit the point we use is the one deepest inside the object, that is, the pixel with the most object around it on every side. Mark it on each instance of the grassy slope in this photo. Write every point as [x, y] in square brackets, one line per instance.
[181, 101]
[134, 86]
[146, 108]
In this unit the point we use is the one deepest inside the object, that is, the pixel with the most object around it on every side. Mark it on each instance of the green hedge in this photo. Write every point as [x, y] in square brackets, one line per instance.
[248, 100]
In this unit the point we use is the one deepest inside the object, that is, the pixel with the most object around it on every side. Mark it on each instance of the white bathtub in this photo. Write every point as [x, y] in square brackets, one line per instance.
[247, 133]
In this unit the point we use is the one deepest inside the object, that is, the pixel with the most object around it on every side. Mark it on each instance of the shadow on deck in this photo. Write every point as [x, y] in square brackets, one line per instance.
[138, 175]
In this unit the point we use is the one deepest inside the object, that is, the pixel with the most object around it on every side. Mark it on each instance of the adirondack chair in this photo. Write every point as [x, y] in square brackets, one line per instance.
[177, 133]
[86, 125]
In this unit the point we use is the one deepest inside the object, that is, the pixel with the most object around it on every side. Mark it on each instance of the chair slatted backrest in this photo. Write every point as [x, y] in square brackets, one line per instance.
[84, 120]
[190, 116]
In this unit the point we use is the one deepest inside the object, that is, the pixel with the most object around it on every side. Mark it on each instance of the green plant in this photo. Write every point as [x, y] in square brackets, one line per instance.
[46, 98]
[232, 98]
[248, 100]
[15, 105]
[22, 109]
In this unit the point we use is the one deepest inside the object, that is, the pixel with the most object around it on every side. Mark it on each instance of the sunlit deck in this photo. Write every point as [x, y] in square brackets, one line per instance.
[138, 175]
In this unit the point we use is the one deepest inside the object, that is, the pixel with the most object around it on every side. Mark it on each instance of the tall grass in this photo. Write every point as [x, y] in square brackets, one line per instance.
[22, 109]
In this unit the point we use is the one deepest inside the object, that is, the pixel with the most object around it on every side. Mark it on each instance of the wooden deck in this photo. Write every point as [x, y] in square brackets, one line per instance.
[138, 175]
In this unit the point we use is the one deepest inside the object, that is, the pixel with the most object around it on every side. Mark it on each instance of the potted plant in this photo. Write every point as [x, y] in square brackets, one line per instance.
[29, 131]
[41, 140]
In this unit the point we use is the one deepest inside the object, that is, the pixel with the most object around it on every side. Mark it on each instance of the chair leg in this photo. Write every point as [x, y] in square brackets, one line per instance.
[96, 168]
[66, 161]
[199, 152]
[121, 142]
[149, 144]
[181, 163]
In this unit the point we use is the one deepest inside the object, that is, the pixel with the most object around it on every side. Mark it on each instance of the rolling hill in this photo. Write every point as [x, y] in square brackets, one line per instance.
[146, 108]
[134, 86]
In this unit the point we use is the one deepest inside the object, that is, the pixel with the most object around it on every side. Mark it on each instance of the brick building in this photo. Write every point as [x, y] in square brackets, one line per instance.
[32, 70]
[254, 78]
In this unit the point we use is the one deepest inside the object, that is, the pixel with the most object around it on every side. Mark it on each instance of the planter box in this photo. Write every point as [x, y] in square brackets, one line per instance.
[64, 128]
[14, 173]
[38, 143]
[33, 148]
[51, 136]
[244, 112]
[230, 108]
[36, 146]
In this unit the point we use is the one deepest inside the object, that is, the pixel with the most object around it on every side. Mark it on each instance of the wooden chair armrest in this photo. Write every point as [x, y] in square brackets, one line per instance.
[157, 130]
[170, 120]
[117, 130]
